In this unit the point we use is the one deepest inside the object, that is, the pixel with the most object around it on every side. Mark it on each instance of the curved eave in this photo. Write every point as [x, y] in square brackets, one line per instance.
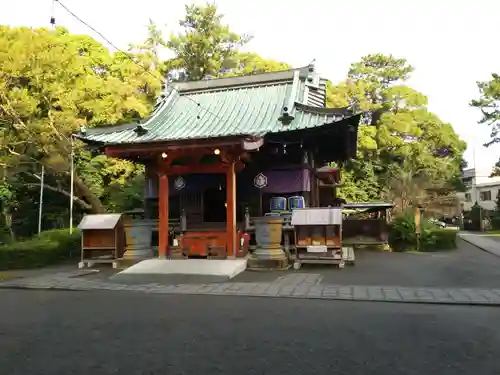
[317, 123]
[345, 111]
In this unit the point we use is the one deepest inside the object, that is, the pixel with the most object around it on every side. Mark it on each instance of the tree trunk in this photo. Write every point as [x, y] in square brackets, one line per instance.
[94, 201]
[84, 192]
[7, 216]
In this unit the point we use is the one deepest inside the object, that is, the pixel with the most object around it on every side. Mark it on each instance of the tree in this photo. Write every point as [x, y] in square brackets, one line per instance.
[148, 53]
[496, 169]
[248, 63]
[7, 202]
[57, 83]
[403, 131]
[489, 104]
[205, 44]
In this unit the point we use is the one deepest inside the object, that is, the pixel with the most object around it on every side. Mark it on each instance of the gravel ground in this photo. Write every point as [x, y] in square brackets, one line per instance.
[45, 332]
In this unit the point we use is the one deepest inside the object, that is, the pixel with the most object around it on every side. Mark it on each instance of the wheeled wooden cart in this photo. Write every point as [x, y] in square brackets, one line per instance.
[318, 236]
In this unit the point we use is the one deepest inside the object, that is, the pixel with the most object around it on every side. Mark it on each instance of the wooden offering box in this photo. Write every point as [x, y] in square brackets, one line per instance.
[318, 236]
[103, 239]
[210, 244]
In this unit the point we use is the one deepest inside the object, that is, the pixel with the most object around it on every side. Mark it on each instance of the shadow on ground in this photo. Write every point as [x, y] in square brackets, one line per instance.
[466, 267]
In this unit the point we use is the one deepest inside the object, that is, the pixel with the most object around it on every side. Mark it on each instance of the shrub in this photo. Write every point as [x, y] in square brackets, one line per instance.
[69, 243]
[402, 235]
[48, 248]
[446, 239]
[495, 221]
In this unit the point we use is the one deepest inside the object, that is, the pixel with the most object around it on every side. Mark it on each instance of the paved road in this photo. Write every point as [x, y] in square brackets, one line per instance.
[55, 332]
[489, 243]
[466, 267]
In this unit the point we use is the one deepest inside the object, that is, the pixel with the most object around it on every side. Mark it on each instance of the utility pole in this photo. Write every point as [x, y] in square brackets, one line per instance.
[40, 204]
[72, 192]
[474, 187]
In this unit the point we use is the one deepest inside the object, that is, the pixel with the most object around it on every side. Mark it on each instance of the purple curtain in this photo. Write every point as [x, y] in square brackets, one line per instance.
[285, 181]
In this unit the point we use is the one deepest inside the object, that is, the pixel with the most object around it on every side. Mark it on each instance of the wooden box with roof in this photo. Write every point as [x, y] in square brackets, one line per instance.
[219, 151]
[103, 239]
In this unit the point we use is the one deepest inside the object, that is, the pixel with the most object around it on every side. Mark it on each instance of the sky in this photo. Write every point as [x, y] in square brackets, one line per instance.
[449, 42]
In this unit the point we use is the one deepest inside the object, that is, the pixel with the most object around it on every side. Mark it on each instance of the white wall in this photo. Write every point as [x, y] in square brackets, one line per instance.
[480, 183]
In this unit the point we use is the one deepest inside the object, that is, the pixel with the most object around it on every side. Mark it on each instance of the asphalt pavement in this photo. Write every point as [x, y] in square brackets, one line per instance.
[465, 267]
[98, 332]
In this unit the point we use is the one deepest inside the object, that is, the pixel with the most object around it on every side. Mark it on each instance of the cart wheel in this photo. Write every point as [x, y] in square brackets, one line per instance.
[297, 265]
[342, 264]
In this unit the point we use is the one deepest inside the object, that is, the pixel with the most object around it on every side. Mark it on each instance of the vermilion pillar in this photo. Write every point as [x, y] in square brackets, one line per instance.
[231, 210]
[163, 216]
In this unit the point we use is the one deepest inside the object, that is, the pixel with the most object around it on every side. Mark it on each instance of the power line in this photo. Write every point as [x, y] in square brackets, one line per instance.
[161, 80]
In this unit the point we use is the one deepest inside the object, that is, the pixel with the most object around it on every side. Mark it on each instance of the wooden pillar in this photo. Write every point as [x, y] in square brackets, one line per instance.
[163, 216]
[314, 182]
[231, 210]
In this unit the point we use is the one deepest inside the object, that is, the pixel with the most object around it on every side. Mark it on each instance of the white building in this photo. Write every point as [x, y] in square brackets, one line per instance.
[480, 188]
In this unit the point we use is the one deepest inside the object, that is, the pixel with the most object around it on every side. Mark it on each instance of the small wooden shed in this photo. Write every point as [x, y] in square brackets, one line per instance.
[103, 239]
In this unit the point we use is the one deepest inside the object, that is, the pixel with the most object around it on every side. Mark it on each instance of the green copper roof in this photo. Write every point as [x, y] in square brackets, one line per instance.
[247, 106]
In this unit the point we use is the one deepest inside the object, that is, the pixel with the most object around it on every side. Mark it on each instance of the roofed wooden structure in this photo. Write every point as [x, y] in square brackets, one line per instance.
[228, 125]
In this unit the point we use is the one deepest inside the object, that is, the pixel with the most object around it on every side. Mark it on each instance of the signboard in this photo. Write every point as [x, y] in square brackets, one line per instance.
[317, 216]
[417, 220]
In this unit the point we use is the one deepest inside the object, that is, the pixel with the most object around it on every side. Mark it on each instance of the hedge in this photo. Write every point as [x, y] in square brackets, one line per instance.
[50, 247]
[402, 236]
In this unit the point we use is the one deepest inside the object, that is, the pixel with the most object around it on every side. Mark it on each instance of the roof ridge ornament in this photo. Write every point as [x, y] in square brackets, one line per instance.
[286, 118]
[313, 78]
[140, 129]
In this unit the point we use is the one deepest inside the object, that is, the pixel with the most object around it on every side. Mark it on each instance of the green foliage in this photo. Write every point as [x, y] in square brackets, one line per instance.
[6, 193]
[409, 151]
[205, 44]
[402, 235]
[107, 176]
[126, 197]
[54, 82]
[472, 220]
[497, 203]
[147, 53]
[359, 182]
[49, 248]
[496, 169]
[495, 218]
[445, 239]
[489, 104]
[57, 83]
[250, 63]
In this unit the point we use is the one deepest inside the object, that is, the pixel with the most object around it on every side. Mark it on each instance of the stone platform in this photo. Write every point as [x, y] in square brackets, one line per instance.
[226, 268]
[268, 264]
